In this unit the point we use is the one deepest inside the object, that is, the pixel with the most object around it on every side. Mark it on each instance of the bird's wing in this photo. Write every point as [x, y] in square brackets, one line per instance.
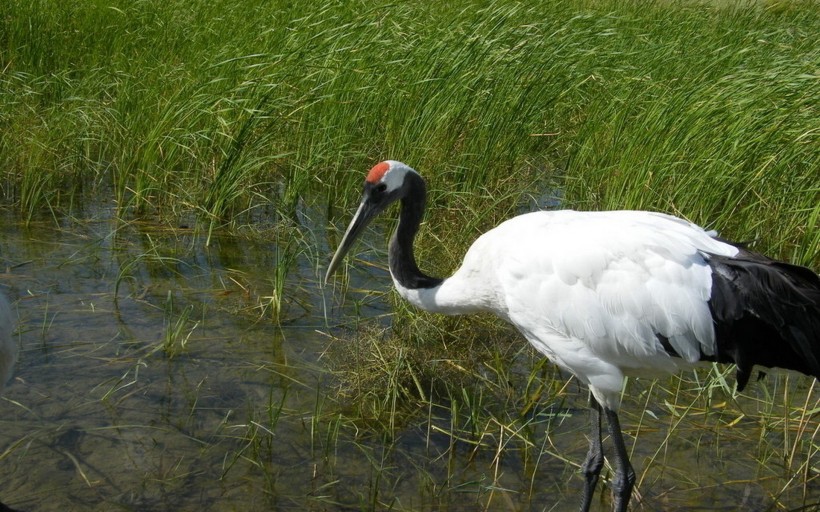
[630, 287]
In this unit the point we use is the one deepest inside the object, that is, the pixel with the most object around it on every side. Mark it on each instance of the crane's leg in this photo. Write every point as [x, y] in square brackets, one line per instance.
[595, 456]
[624, 478]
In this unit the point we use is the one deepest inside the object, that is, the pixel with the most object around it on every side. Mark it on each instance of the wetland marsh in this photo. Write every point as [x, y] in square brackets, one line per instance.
[180, 393]
[174, 177]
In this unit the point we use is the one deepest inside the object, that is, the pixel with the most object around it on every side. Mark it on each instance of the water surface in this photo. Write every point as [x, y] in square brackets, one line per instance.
[154, 375]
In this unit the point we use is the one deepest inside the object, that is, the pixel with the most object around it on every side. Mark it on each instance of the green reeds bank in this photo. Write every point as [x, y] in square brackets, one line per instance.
[707, 110]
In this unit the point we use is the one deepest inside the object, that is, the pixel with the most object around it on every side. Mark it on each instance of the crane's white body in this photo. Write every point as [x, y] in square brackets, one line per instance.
[592, 291]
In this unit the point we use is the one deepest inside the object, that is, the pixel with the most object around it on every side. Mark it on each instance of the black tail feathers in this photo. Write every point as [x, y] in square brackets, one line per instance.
[767, 313]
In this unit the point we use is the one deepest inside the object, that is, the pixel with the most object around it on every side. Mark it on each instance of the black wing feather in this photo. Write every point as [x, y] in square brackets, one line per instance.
[766, 312]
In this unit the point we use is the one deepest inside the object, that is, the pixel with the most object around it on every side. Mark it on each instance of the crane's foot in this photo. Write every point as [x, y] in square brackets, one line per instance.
[595, 456]
[624, 479]
[622, 490]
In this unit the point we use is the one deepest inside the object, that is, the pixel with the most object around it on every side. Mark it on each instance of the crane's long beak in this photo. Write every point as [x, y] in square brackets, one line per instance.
[363, 216]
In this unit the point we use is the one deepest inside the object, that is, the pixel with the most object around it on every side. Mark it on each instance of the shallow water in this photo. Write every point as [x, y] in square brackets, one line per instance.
[237, 413]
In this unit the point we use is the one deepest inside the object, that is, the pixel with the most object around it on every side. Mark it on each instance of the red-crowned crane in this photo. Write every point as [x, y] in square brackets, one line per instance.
[606, 295]
[8, 353]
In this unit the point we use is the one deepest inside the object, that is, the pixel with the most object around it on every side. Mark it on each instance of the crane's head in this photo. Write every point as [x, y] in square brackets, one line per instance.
[384, 185]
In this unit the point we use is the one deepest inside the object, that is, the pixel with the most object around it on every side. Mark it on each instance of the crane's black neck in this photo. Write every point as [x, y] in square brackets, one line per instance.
[401, 257]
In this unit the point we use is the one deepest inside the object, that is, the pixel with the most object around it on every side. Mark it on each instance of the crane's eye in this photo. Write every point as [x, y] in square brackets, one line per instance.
[381, 187]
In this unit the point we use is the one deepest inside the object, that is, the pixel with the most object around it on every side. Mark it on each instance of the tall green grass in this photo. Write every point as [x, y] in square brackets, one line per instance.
[221, 108]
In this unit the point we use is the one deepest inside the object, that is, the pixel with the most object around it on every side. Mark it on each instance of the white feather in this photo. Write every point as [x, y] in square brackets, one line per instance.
[394, 177]
[592, 290]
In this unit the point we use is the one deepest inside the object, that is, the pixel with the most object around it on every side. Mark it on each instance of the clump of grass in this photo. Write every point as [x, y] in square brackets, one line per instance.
[381, 373]
[178, 329]
[387, 375]
[274, 305]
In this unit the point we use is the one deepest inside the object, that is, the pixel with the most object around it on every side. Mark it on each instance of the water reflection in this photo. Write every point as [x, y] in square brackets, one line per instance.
[153, 377]
[101, 413]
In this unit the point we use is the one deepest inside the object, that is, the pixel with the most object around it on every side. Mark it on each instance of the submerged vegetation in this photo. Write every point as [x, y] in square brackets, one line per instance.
[192, 121]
